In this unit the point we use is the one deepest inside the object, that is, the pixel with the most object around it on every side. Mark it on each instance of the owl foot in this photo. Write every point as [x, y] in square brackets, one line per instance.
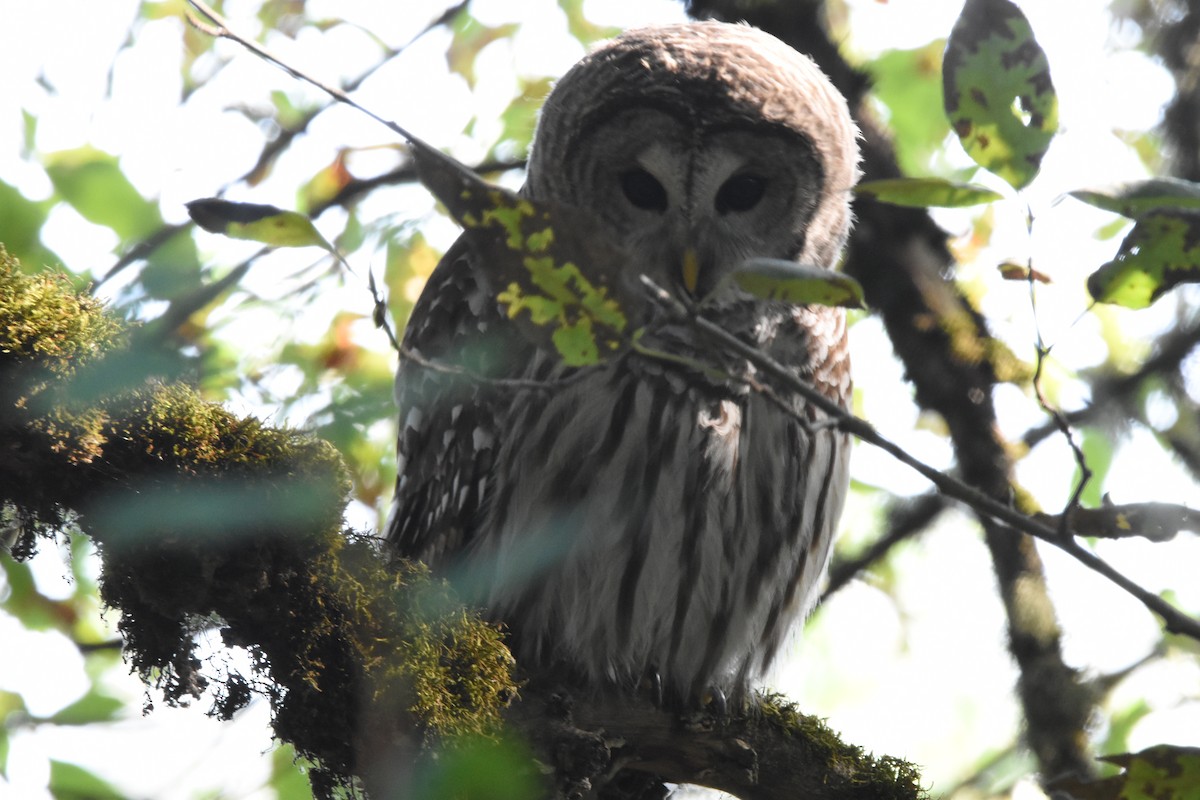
[714, 702]
[708, 710]
[653, 685]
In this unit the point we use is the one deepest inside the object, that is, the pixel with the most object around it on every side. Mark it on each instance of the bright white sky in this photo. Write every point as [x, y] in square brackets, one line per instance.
[944, 692]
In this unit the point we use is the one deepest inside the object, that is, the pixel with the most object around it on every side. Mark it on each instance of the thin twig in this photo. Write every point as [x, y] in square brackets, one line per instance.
[1060, 421]
[1171, 349]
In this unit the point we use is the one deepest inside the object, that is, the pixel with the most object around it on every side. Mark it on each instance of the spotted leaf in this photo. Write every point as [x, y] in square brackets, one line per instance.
[1162, 771]
[1161, 252]
[998, 94]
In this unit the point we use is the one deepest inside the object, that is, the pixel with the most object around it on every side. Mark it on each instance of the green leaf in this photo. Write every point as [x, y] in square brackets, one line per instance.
[909, 83]
[998, 94]
[287, 114]
[12, 708]
[1139, 197]
[480, 768]
[1098, 451]
[33, 610]
[173, 269]
[559, 280]
[471, 36]
[256, 222]
[20, 225]
[92, 707]
[91, 181]
[924, 192]
[518, 118]
[1161, 252]
[73, 782]
[289, 777]
[28, 133]
[776, 279]
[581, 27]
[1162, 771]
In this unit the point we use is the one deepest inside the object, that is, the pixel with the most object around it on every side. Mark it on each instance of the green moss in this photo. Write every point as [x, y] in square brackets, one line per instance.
[43, 319]
[201, 515]
[877, 778]
[425, 654]
[47, 330]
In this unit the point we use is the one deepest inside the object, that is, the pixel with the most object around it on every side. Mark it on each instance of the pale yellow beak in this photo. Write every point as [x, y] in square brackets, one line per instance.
[691, 270]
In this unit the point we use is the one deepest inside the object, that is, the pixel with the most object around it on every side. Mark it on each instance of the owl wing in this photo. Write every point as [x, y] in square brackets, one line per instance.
[449, 423]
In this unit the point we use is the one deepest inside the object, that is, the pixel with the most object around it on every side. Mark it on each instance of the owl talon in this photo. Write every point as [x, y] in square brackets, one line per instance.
[714, 702]
[653, 683]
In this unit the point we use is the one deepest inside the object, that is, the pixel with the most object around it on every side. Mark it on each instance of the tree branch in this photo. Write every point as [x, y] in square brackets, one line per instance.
[768, 752]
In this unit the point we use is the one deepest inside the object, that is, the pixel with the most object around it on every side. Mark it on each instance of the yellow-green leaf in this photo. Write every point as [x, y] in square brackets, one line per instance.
[561, 282]
[909, 83]
[1161, 252]
[1162, 771]
[925, 192]
[73, 782]
[998, 94]
[256, 222]
[776, 279]
[93, 183]
[95, 706]
[1138, 197]
[497, 770]
[470, 37]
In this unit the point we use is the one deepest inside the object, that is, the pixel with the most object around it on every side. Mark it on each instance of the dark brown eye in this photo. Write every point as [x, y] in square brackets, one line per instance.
[643, 190]
[740, 193]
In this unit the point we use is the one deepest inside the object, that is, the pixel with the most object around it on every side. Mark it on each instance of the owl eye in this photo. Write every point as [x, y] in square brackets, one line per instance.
[643, 190]
[740, 193]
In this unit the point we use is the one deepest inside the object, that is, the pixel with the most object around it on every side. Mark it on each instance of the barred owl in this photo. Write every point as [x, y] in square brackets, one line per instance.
[645, 518]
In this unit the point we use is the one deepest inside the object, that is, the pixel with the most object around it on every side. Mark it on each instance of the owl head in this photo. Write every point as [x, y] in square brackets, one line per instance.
[697, 146]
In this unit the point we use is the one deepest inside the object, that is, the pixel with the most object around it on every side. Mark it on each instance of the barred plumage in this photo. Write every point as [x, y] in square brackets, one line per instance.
[643, 516]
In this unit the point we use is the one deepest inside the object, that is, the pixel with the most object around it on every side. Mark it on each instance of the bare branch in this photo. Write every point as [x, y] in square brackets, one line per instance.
[1158, 522]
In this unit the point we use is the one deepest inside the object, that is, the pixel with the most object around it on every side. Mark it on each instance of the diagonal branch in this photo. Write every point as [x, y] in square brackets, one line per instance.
[1175, 620]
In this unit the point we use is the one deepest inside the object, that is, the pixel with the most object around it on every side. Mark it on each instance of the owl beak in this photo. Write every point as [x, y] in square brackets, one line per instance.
[690, 270]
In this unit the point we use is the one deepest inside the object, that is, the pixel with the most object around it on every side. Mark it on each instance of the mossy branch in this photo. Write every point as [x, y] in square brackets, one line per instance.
[769, 751]
[205, 518]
